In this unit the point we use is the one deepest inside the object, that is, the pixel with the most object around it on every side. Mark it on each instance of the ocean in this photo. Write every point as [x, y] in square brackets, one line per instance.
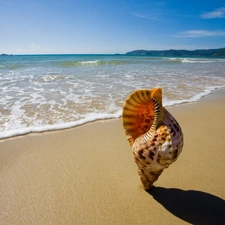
[50, 92]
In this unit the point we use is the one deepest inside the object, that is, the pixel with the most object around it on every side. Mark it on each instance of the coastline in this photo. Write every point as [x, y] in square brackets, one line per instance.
[52, 92]
[98, 117]
[86, 174]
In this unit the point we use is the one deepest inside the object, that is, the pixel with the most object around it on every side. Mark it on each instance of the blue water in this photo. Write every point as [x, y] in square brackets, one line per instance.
[48, 92]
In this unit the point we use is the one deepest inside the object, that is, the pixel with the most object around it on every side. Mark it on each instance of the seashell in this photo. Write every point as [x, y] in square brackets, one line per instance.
[155, 136]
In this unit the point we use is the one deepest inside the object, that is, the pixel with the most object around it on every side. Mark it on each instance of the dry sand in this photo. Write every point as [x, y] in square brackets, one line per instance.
[86, 175]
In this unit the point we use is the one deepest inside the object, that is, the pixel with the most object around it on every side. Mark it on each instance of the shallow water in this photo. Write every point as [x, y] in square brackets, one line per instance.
[47, 92]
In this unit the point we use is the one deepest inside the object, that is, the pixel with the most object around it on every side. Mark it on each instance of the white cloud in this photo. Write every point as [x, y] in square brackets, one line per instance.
[199, 33]
[145, 17]
[218, 13]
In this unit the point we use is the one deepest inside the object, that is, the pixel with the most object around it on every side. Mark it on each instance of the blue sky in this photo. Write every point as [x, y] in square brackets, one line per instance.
[110, 26]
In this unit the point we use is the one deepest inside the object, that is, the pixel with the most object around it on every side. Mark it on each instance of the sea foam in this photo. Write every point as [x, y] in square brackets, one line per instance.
[89, 118]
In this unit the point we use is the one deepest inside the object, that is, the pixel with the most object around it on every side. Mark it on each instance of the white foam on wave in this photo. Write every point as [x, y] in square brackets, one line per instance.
[91, 117]
[195, 98]
[194, 60]
[89, 63]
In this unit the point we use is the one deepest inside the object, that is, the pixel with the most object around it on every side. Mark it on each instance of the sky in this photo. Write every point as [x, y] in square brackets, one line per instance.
[109, 26]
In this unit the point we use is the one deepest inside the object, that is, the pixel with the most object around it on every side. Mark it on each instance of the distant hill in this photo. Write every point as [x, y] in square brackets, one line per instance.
[180, 53]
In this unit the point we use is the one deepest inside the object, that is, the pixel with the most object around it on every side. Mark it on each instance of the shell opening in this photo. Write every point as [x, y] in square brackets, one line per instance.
[141, 112]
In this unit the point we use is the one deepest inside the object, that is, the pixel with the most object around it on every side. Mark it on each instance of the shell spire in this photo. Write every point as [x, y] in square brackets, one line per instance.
[155, 136]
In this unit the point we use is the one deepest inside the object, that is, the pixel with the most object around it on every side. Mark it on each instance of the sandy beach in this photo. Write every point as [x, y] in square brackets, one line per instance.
[86, 175]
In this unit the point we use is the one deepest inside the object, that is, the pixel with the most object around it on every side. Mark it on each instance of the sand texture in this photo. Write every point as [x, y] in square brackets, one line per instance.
[86, 175]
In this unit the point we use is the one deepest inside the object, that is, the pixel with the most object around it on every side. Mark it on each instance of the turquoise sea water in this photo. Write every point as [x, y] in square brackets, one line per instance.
[48, 92]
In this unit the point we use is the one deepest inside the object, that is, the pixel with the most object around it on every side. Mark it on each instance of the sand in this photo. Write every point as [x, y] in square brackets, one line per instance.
[86, 175]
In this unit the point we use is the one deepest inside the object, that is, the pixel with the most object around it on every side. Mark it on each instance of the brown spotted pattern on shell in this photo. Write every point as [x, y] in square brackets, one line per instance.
[155, 136]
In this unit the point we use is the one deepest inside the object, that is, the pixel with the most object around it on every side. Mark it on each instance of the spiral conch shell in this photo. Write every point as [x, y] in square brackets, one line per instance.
[155, 136]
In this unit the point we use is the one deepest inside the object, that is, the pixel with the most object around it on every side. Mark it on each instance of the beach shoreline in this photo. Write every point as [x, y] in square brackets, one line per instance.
[60, 127]
[86, 174]
[52, 92]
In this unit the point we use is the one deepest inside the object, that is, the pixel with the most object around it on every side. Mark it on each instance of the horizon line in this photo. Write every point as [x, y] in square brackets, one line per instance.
[11, 54]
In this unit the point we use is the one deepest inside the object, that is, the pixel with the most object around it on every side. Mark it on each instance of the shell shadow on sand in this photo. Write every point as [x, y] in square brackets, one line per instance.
[195, 207]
